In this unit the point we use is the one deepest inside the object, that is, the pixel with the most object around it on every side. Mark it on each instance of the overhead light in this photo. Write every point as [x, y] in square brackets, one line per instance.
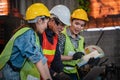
[103, 29]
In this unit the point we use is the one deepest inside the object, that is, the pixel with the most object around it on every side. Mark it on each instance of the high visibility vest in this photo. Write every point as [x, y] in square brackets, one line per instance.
[28, 67]
[70, 66]
[48, 48]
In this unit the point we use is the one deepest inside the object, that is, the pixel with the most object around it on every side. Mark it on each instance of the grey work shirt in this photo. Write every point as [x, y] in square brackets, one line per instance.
[62, 40]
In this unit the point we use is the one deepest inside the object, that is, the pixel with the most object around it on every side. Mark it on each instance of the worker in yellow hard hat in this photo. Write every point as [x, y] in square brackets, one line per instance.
[22, 57]
[71, 43]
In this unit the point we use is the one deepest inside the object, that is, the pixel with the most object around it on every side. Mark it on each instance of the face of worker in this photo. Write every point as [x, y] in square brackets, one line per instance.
[52, 25]
[56, 25]
[76, 26]
[60, 28]
[42, 24]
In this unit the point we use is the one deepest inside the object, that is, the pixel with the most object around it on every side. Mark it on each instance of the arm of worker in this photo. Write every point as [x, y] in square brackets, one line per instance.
[36, 56]
[75, 56]
[56, 65]
[43, 69]
[61, 44]
[63, 57]
[29, 49]
[41, 64]
[56, 68]
[59, 76]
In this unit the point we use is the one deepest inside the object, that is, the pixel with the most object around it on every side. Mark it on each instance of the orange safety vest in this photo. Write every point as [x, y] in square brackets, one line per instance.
[48, 48]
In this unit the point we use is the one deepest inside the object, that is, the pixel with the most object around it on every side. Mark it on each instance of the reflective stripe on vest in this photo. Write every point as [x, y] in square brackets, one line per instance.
[48, 48]
[69, 47]
[48, 52]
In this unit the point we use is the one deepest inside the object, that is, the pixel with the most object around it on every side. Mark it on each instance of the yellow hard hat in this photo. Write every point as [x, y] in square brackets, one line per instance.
[80, 14]
[35, 10]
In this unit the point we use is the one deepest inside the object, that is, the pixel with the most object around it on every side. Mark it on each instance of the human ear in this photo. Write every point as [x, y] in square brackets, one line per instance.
[39, 21]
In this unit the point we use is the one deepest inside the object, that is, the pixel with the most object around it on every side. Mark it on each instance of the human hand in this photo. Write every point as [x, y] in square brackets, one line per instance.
[92, 61]
[62, 76]
[77, 55]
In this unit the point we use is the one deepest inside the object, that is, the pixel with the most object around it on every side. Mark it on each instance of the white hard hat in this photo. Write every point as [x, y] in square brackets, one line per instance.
[62, 12]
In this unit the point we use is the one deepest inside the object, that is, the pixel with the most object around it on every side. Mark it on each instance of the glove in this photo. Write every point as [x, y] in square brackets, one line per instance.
[77, 55]
[93, 61]
[61, 76]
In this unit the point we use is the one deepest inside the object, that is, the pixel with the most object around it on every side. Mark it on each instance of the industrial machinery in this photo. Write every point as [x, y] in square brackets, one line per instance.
[98, 69]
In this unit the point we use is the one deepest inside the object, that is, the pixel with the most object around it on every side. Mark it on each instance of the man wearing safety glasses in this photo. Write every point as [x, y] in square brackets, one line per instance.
[60, 17]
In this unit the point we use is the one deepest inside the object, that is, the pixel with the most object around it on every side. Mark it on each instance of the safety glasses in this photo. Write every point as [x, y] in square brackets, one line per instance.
[58, 22]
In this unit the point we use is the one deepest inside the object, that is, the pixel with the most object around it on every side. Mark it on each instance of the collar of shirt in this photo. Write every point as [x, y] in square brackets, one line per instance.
[50, 34]
[70, 35]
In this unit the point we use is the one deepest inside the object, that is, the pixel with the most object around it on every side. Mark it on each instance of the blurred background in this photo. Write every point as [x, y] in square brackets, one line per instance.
[102, 30]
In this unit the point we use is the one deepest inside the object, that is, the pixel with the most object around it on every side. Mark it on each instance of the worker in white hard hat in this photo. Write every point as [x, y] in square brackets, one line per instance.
[71, 43]
[62, 13]
[60, 17]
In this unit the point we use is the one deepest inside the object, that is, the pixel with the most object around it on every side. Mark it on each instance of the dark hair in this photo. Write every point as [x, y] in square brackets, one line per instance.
[31, 25]
[72, 19]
